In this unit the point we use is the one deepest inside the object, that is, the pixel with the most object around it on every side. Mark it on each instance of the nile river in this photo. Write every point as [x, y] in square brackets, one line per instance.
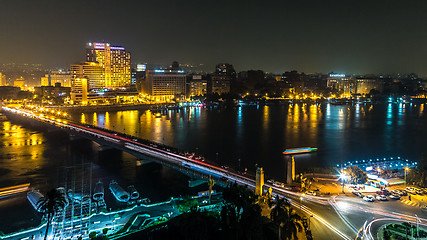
[240, 137]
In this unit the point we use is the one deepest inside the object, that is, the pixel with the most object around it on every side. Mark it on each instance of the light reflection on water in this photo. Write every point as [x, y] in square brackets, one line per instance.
[259, 134]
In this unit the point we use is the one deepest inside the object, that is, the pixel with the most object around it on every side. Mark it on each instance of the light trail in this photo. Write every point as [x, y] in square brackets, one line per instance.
[200, 166]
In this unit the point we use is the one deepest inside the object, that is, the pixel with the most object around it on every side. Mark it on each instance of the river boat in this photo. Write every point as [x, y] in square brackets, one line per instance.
[134, 194]
[119, 193]
[293, 151]
[98, 193]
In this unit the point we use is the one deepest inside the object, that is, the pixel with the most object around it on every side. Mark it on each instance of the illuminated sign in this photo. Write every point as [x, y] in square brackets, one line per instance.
[141, 67]
[336, 75]
[159, 71]
[99, 45]
[117, 48]
[180, 71]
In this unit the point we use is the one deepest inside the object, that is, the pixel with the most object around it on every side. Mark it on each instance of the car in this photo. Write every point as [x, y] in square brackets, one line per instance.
[382, 198]
[311, 193]
[369, 198]
[403, 193]
[394, 197]
[419, 192]
[359, 194]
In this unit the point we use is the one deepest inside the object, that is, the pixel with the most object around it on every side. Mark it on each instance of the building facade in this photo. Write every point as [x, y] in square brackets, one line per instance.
[220, 80]
[364, 86]
[346, 86]
[196, 85]
[164, 84]
[62, 77]
[115, 62]
[91, 71]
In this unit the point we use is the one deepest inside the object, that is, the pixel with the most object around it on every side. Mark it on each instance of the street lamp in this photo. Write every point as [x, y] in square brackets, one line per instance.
[418, 221]
[343, 177]
[406, 169]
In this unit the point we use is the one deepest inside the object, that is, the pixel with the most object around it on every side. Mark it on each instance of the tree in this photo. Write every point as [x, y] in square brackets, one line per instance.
[53, 202]
[286, 219]
[356, 175]
[278, 213]
[186, 203]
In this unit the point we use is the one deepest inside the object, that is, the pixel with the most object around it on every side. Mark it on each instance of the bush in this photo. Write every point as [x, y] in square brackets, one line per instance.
[92, 235]
[104, 231]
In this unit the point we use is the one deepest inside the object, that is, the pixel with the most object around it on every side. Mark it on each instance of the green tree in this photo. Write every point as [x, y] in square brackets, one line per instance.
[356, 175]
[186, 203]
[52, 203]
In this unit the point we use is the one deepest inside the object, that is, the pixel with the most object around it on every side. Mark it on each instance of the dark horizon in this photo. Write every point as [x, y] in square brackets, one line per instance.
[311, 36]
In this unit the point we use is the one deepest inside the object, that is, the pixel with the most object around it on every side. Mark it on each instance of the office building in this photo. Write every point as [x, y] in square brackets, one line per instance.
[344, 85]
[164, 84]
[221, 79]
[91, 71]
[53, 91]
[364, 86]
[62, 77]
[79, 90]
[115, 62]
[196, 85]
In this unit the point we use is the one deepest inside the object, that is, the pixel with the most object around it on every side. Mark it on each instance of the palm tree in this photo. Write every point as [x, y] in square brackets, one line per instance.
[279, 213]
[53, 202]
[292, 225]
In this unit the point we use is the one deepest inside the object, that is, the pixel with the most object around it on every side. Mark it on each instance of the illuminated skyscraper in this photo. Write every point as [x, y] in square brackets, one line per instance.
[92, 71]
[114, 60]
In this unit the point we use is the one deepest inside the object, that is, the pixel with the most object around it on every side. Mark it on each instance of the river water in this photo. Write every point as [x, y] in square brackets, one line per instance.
[240, 137]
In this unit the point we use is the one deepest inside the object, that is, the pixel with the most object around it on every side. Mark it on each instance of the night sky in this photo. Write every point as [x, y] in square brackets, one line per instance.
[275, 36]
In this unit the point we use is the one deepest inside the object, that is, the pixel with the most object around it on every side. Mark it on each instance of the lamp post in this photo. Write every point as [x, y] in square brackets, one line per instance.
[406, 169]
[343, 177]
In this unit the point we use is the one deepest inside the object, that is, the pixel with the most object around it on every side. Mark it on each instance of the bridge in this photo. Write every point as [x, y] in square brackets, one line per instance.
[167, 156]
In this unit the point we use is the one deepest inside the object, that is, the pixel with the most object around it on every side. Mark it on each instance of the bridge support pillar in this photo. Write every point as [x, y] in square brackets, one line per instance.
[290, 174]
[141, 162]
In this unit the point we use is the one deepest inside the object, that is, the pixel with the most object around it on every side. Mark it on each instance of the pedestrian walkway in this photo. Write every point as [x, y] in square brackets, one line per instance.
[410, 203]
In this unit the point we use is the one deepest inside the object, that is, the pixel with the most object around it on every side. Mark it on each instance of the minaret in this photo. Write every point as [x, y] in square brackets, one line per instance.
[259, 181]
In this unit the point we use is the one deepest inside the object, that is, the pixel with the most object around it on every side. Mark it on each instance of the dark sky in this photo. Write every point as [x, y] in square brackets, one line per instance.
[311, 36]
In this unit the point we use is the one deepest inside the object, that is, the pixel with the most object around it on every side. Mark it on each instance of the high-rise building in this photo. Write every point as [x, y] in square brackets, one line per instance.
[114, 60]
[92, 71]
[220, 81]
[164, 84]
[62, 77]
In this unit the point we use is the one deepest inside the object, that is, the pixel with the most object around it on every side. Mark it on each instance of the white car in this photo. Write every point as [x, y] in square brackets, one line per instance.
[369, 198]
[382, 198]
[395, 197]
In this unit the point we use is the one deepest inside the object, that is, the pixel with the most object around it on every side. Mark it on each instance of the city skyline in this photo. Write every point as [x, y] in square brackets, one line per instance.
[277, 37]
